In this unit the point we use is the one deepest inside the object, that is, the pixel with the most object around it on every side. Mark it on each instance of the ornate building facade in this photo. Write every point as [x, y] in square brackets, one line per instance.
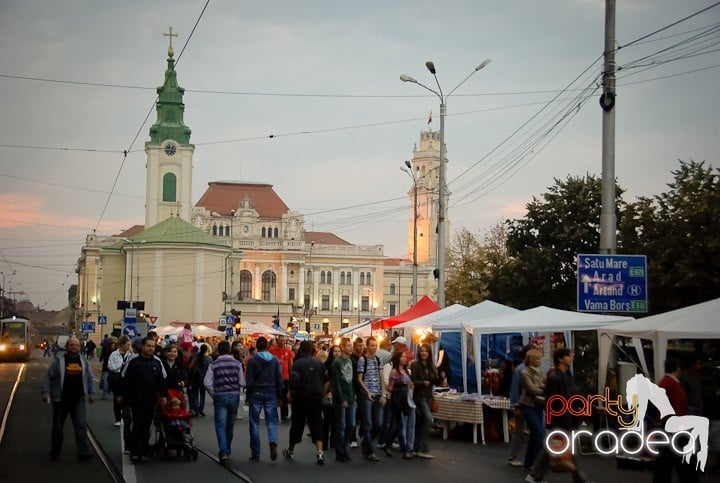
[240, 247]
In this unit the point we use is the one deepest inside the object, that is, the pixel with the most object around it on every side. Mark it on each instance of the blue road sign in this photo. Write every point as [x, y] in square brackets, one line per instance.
[229, 331]
[102, 320]
[130, 316]
[316, 326]
[612, 283]
[230, 319]
[87, 327]
[130, 331]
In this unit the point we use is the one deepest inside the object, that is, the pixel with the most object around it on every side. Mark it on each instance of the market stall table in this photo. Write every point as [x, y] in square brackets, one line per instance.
[468, 408]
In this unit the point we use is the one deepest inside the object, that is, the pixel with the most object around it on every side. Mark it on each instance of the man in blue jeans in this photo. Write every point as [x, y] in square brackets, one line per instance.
[370, 399]
[341, 383]
[264, 392]
[223, 381]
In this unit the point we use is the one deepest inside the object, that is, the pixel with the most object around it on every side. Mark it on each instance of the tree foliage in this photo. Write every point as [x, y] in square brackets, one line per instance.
[679, 231]
[542, 246]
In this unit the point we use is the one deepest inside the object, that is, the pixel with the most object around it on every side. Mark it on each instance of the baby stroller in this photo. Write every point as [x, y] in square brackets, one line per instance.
[174, 429]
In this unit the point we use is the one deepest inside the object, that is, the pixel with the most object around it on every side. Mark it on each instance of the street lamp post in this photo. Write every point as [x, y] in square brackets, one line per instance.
[441, 175]
[408, 169]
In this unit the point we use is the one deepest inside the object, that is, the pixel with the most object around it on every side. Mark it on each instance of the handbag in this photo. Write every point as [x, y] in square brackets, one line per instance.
[433, 405]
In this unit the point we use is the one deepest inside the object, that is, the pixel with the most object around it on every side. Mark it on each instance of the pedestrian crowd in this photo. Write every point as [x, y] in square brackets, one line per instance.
[357, 393]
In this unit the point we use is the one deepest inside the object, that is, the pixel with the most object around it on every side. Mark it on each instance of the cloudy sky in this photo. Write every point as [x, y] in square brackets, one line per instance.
[77, 81]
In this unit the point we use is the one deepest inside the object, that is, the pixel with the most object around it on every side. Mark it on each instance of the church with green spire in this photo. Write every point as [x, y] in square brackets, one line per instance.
[169, 152]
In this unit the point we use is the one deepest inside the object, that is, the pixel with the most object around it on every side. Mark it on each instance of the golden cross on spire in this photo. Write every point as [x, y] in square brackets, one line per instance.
[171, 52]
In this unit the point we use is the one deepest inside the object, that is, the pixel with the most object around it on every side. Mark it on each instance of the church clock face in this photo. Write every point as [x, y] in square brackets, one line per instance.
[170, 149]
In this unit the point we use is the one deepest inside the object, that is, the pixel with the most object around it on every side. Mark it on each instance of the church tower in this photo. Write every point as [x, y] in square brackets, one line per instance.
[425, 165]
[169, 153]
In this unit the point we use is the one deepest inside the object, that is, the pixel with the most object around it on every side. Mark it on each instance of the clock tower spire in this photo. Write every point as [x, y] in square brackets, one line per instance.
[169, 152]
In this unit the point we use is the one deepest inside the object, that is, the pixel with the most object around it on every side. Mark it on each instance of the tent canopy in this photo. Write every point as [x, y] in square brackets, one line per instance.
[485, 310]
[423, 306]
[363, 329]
[432, 319]
[248, 328]
[542, 319]
[694, 322]
[538, 319]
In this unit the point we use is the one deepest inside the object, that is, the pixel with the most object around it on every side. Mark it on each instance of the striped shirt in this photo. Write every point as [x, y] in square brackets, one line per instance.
[370, 367]
[224, 376]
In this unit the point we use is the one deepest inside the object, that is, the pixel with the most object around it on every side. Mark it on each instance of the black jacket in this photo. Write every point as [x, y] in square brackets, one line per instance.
[143, 382]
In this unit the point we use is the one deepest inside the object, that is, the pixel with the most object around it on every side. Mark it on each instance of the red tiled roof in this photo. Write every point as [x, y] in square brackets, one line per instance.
[222, 197]
[324, 238]
[130, 232]
[393, 262]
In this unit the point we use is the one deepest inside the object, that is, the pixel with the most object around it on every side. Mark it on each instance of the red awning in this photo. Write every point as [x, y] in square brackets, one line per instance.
[423, 306]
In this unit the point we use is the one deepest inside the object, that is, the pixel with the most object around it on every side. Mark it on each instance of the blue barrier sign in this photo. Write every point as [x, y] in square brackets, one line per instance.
[612, 283]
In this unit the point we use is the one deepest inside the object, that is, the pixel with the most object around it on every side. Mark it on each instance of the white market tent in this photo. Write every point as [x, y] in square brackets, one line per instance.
[164, 330]
[363, 329]
[698, 321]
[204, 331]
[538, 319]
[248, 328]
[434, 320]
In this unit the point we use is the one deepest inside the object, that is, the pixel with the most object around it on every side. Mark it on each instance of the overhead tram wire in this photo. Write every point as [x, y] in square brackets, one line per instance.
[639, 39]
[142, 126]
[498, 179]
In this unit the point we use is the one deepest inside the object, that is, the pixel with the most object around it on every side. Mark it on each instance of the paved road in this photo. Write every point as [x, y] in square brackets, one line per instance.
[23, 455]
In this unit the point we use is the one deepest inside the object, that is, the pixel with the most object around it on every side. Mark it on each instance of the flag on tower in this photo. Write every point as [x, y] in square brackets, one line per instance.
[430, 118]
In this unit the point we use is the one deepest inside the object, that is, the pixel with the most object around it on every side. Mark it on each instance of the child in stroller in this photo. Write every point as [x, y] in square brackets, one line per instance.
[174, 431]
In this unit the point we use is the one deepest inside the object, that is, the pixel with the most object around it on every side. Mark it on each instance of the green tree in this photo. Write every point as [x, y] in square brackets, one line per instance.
[679, 231]
[472, 262]
[542, 246]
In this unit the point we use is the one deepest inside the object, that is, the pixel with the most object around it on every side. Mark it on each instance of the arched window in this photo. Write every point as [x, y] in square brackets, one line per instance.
[214, 230]
[169, 187]
[329, 277]
[367, 278]
[349, 278]
[322, 276]
[342, 278]
[362, 278]
[275, 232]
[392, 289]
[245, 285]
[263, 232]
[227, 230]
[268, 286]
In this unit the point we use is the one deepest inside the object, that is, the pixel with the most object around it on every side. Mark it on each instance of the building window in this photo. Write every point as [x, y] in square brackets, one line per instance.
[169, 187]
[268, 286]
[367, 278]
[349, 278]
[345, 302]
[214, 230]
[306, 303]
[308, 276]
[329, 277]
[325, 328]
[362, 278]
[275, 232]
[392, 309]
[365, 303]
[322, 276]
[262, 234]
[227, 230]
[325, 302]
[342, 278]
[291, 295]
[392, 289]
[245, 285]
